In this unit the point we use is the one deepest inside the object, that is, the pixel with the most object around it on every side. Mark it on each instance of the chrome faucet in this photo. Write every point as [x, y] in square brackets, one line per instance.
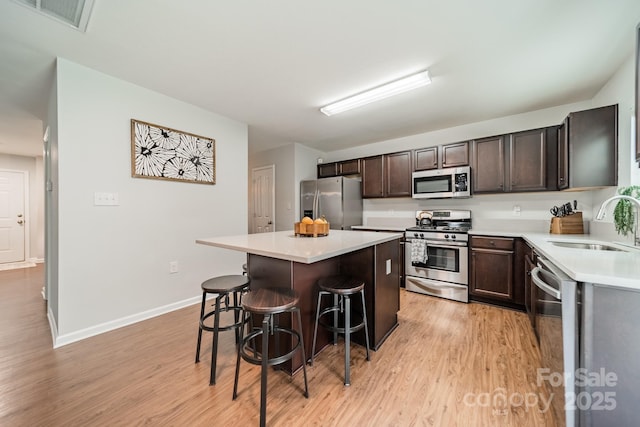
[601, 213]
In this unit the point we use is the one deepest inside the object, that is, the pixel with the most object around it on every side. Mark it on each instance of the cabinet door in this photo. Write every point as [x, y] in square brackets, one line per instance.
[372, 177]
[454, 155]
[593, 141]
[349, 167]
[398, 174]
[528, 161]
[488, 165]
[425, 158]
[563, 156]
[491, 274]
[326, 170]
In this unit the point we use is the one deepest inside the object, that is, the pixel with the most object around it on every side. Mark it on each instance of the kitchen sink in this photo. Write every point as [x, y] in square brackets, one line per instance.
[591, 246]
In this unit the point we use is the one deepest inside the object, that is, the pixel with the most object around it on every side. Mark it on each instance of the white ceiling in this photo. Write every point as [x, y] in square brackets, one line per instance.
[272, 64]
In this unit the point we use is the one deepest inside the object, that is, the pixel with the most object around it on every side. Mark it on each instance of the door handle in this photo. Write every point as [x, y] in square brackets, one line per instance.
[20, 221]
[269, 223]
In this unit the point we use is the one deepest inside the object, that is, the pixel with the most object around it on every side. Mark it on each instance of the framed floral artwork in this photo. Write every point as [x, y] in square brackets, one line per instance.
[159, 152]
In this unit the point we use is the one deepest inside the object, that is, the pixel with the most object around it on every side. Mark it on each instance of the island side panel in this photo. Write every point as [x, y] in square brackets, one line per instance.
[272, 272]
[305, 277]
[382, 290]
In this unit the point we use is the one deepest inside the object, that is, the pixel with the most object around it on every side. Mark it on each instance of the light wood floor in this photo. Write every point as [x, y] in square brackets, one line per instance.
[447, 364]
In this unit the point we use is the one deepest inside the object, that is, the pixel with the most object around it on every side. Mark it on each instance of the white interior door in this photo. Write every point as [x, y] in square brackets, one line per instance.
[12, 220]
[264, 195]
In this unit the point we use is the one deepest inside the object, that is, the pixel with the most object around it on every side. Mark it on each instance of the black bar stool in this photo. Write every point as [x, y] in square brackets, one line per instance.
[223, 286]
[269, 303]
[341, 288]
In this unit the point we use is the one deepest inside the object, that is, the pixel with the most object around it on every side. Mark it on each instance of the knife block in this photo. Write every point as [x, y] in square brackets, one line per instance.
[570, 224]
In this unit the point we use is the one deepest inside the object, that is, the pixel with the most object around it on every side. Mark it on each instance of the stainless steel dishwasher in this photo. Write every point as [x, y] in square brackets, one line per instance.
[556, 322]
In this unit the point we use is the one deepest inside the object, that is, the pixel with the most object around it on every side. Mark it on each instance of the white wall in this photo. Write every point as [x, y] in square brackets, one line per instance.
[293, 163]
[113, 264]
[33, 167]
[283, 158]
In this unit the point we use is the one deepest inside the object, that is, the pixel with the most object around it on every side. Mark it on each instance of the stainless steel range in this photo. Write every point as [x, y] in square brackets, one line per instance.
[436, 254]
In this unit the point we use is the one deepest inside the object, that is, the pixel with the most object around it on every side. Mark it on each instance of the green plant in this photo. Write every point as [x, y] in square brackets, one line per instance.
[623, 213]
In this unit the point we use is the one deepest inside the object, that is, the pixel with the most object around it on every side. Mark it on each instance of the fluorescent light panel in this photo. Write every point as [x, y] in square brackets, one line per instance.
[396, 87]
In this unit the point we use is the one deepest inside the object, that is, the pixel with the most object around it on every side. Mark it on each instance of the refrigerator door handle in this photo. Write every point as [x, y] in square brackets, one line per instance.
[316, 204]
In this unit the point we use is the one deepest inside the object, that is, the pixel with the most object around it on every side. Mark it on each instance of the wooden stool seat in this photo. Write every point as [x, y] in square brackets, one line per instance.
[269, 303]
[223, 286]
[341, 285]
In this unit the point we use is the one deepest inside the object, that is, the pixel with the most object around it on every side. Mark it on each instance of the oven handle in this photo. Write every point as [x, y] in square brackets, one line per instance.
[535, 276]
[435, 243]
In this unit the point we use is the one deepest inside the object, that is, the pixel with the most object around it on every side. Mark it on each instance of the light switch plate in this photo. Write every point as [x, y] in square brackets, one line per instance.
[106, 199]
[388, 265]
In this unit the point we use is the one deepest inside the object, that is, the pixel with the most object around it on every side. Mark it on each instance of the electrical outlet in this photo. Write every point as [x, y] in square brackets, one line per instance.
[173, 267]
[516, 210]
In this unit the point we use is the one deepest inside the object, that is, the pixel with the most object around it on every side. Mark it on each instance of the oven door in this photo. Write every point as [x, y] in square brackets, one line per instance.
[446, 261]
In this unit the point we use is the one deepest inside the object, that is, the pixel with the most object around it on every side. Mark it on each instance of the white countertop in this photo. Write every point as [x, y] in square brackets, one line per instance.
[390, 228]
[285, 245]
[611, 268]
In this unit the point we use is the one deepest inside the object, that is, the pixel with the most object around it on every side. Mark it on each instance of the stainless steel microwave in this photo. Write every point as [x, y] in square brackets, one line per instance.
[447, 183]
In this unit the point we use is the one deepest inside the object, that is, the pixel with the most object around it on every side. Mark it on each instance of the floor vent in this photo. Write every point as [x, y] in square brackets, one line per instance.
[71, 12]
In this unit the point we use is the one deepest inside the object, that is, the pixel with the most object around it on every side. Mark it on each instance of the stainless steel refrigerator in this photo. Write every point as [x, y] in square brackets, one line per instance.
[339, 199]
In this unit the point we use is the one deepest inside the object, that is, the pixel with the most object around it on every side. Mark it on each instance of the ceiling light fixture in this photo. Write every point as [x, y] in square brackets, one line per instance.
[395, 87]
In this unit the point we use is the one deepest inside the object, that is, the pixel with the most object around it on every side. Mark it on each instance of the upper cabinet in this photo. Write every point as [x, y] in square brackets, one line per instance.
[425, 158]
[527, 161]
[443, 156]
[345, 167]
[326, 170]
[398, 174]
[488, 165]
[387, 175]
[455, 155]
[517, 162]
[587, 149]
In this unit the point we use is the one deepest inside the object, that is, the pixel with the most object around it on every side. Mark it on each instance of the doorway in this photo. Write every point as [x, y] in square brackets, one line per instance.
[263, 199]
[13, 223]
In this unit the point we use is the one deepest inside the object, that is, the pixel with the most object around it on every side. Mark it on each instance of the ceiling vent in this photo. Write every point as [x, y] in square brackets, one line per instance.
[71, 12]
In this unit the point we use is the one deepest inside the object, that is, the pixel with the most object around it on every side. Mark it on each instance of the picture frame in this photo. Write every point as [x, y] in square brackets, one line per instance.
[161, 152]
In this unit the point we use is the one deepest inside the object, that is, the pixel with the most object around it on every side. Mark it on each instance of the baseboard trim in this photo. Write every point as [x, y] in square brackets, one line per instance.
[37, 260]
[61, 340]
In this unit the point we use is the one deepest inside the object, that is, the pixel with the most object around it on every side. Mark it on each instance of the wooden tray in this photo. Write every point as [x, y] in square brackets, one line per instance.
[311, 230]
[570, 224]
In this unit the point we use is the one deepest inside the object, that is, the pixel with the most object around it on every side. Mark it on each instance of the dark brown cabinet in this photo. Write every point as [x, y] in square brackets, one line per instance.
[587, 149]
[518, 162]
[387, 175]
[425, 159]
[345, 167]
[491, 268]
[488, 165]
[349, 167]
[398, 174]
[372, 177]
[455, 155]
[442, 156]
[326, 170]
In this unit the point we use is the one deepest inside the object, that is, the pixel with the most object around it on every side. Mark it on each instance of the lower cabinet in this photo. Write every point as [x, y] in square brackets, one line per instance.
[497, 271]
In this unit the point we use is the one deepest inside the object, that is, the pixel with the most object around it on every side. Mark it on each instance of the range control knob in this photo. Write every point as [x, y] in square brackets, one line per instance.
[446, 236]
[415, 235]
[422, 235]
[453, 236]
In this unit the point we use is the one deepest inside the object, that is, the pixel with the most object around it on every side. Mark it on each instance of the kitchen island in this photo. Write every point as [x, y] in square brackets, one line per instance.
[282, 259]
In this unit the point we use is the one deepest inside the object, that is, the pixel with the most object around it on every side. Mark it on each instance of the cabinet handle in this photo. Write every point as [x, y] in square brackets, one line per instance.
[492, 243]
[561, 179]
